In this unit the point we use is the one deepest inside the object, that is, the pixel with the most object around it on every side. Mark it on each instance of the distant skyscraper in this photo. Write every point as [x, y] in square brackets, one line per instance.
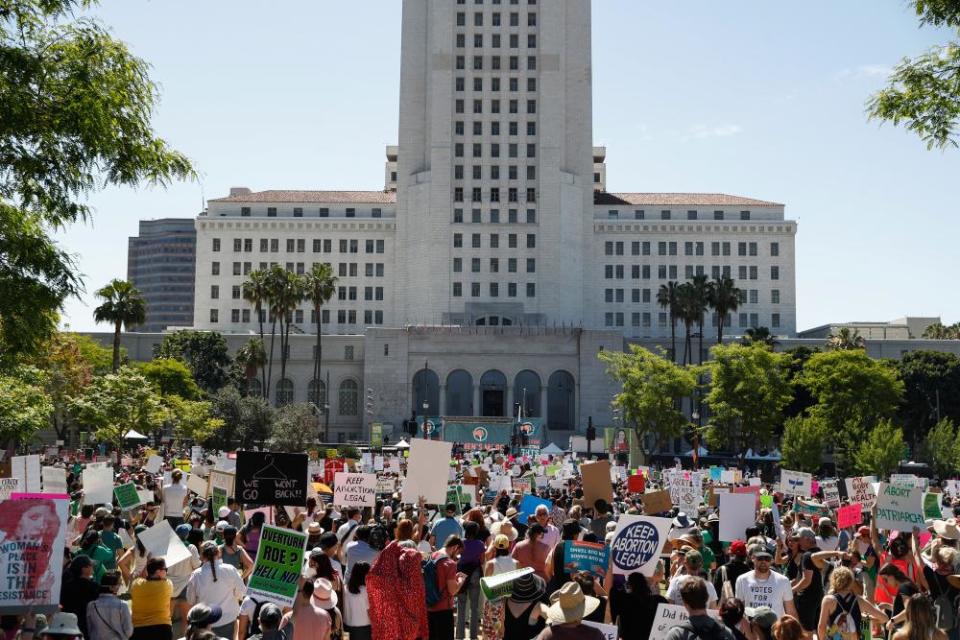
[161, 263]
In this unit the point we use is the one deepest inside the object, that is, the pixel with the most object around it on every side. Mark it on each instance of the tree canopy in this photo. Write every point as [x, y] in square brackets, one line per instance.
[205, 352]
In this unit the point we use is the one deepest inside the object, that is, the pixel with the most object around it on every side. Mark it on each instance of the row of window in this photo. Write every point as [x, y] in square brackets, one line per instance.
[513, 86]
[299, 245]
[497, 2]
[476, 150]
[493, 216]
[494, 240]
[494, 265]
[348, 395]
[513, 42]
[643, 319]
[513, 128]
[513, 106]
[493, 289]
[669, 272]
[495, 18]
[667, 214]
[344, 269]
[690, 248]
[322, 212]
[344, 316]
[494, 173]
[513, 194]
[747, 296]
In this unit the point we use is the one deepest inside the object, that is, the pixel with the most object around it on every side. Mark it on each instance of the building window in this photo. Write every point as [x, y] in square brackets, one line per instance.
[531, 289]
[774, 249]
[216, 244]
[348, 398]
[457, 289]
[665, 214]
[744, 215]
[271, 212]
[214, 316]
[774, 272]
[245, 212]
[775, 320]
[214, 292]
[775, 296]
[214, 268]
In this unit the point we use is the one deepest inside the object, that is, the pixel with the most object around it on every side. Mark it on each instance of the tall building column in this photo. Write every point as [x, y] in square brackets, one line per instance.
[443, 400]
[476, 400]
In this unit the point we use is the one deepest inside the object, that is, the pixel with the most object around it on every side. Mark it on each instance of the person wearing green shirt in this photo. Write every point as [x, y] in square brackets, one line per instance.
[104, 559]
[109, 537]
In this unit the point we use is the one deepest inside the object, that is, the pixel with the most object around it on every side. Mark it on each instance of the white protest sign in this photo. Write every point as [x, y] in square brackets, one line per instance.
[386, 484]
[795, 483]
[54, 480]
[609, 631]
[146, 495]
[669, 616]
[160, 540]
[777, 525]
[27, 468]
[125, 538]
[8, 486]
[378, 463]
[727, 476]
[427, 471]
[98, 485]
[686, 491]
[899, 507]
[831, 492]
[860, 490]
[637, 544]
[907, 480]
[153, 464]
[355, 489]
[737, 512]
[197, 484]
[755, 482]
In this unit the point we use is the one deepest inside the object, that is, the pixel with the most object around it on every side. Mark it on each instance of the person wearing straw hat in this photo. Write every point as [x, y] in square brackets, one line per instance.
[568, 607]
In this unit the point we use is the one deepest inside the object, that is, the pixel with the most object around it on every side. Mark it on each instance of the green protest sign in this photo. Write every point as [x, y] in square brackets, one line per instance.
[127, 496]
[276, 572]
[456, 495]
[931, 506]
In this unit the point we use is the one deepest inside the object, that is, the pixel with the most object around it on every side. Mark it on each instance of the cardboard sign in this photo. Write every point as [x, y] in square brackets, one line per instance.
[849, 516]
[355, 490]
[27, 468]
[160, 540]
[127, 496]
[8, 486]
[686, 492]
[31, 552]
[98, 485]
[589, 557]
[153, 464]
[609, 631]
[860, 490]
[276, 572]
[270, 478]
[669, 616]
[831, 493]
[197, 484]
[899, 508]
[656, 502]
[737, 512]
[54, 480]
[796, 483]
[596, 482]
[637, 544]
[427, 471]
[386, 485]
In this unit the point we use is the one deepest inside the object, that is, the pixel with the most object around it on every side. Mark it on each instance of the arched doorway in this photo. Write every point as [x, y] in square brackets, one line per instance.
[493, 394]
[284, 392]
[526, 390]
[426, 388]
[561, 401]
[459, 400]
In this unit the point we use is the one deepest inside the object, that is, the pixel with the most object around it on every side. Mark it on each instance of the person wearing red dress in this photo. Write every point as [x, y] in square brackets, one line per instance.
[398, 602]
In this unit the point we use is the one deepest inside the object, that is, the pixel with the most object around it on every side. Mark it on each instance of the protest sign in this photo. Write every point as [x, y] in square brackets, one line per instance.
[590, 557]
[777, 525]
[355, 490]
[860, 490]
[160, 540]
[153, 464]
[907, 480]
[609, 631]
[656, 502]
[197, 484]
[146, 495]
[831, 492]
[796, 483]
[386, 484]
[637, 544]
[716, 473]
[276, 572]
[728, 476]
[686, 491]
[849, 516]
[268, 477]
[635, 483]
[460, 496]
[98, 485]
[127, 496]
[669, 616]
[221, 487]
[596, 482]
[528, 506]
[27, 468]
[752, 490]
[755, 482]
[899, 507]
[427, 471]
[737, 512]
[931, 505]
[766, 501]
[33, 531]
[8, 486]
[54, 480]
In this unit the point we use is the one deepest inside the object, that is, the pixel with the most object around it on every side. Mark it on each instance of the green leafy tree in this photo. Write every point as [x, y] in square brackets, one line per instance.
[748, 391]
[923, 93]
[938, 331]
[205, 352]
[25, 408]
[171, 377]
[247, 361]
[192, 419]
[257, 417]
[725, 299]
[759, 335]
[319, 286]
[76, 108]
[652, 389]
[256, 292]
[286, 294]
[114, 404]
[881, 451]
[853, 393]
[123, 306]
[226, 404]
[294, 428]
[803, 443]
[802, 398]
[845, 339]
[931, 382]
[67, 372]
[942, 448]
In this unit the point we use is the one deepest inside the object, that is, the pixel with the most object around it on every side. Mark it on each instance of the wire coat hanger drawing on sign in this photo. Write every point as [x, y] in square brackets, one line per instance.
[270, 471]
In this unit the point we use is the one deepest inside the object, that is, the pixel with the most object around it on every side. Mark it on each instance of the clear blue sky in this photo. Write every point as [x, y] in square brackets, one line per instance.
[751, 98]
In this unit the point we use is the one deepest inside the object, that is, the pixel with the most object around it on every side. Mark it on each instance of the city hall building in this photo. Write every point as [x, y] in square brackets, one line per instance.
[495, 263]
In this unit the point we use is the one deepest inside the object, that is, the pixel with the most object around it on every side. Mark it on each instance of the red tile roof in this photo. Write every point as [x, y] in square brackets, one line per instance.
[297, 197]
[696, 199]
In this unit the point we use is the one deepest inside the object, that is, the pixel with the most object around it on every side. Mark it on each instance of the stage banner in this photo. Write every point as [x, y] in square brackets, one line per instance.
[487, 433]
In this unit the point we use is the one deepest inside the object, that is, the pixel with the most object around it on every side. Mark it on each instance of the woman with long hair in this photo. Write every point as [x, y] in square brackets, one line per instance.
[636, 605]
[921, 621]
[356, 604]
[218, 585]
[233, 554]
[842, 610]
[134, 561]
[396, 591]
[787, 628]
[902, 587]
[249, 535]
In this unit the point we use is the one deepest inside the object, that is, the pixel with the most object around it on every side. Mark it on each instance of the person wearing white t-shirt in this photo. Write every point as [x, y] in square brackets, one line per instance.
[763, 587]
[692, 568]
[175, 497]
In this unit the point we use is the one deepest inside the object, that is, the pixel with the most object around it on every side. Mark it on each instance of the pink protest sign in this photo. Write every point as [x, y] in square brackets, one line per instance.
[814, 487]
[849, 516]
[755, 490]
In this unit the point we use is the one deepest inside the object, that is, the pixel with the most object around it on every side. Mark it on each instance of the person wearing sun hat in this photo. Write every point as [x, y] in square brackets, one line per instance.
[568, 607]
[311, 615]
[524, 615]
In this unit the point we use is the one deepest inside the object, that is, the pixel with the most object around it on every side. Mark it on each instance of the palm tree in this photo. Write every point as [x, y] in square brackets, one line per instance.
[688, 306]
[701, 302]
[255, 292]
[123, 306]
[725, 299]
[667, 299]
[845, 340]
[286, 290]
[252, 358]
[319, 287]
[759, 335]
[939, 331]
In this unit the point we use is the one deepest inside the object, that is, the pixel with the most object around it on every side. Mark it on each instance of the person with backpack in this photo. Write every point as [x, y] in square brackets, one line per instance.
[699, 625]
[442, 582]
[842, 610]
[936, 580]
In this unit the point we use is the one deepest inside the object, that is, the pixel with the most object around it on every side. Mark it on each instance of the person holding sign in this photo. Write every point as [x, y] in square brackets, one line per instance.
[694, 595]
[763, 587]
